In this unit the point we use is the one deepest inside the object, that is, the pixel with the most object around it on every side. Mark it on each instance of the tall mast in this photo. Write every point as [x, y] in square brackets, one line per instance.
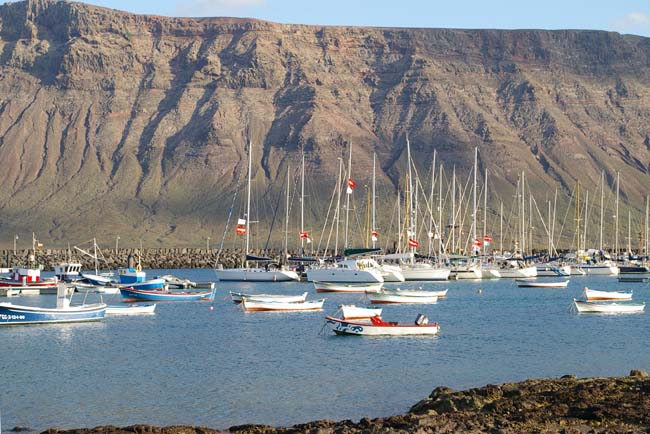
[411, 208]
[554, 219]
[629, 232]
[645, 250]
[618, 181]
[347, 197]
[433, 184]
[523, 213]
[374, 180]
[474, 204]
[302, 205]
[286, 221]
[602, 197]
[338, 207]
[485, 192]
[248, 200]
[95, 255]
[439, 231]
[453, 210]
[399, 222]
[584, 224]
[501, 228]
[550, 234]
[645, 236]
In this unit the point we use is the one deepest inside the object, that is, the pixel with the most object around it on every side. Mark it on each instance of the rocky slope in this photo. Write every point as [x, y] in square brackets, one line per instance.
[113, 123]
[565, 405]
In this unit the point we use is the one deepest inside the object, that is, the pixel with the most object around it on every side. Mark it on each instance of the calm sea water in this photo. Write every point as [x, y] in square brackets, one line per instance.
[190, 364]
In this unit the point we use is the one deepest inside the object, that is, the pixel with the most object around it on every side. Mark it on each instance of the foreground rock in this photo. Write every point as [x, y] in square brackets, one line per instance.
[566, 405]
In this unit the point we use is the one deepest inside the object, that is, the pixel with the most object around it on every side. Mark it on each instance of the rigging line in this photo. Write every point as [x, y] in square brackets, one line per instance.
[225, 228]
[275, 214]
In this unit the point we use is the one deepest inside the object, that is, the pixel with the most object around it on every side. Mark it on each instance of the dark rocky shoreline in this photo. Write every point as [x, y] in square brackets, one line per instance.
[563, 405]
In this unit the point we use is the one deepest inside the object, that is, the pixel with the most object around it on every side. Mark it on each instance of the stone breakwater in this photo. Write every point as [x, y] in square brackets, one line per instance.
[563, 405]
[150, 258]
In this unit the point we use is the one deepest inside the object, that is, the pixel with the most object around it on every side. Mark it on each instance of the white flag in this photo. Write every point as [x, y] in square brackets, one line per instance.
[349, 190]
[241, 221]
[308, 240]
[374, 238]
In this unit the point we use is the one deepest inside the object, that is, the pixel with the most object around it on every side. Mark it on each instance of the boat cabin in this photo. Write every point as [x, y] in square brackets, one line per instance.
[67, 272]
[131, 275]
[27, 275]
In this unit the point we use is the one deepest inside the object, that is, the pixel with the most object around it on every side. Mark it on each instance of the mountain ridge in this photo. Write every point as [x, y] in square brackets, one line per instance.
[119, 124]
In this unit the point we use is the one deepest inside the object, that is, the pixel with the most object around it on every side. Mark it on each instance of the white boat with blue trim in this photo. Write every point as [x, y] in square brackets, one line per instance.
[13, 314]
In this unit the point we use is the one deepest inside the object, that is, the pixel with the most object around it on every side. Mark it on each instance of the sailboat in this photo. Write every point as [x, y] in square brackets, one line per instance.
[246, 273]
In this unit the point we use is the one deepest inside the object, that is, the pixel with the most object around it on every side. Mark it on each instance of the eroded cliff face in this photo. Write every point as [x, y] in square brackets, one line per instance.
[113, 123]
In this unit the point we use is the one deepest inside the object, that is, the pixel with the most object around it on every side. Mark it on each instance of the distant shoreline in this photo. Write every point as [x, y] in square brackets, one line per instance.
[567, 404]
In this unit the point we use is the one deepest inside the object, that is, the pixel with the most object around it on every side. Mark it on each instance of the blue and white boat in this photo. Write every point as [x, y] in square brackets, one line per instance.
[131, 294]
[13, 314]
[137, 279]
[147, 285]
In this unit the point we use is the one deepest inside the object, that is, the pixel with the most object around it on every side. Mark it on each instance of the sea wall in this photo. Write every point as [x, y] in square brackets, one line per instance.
[150, 258]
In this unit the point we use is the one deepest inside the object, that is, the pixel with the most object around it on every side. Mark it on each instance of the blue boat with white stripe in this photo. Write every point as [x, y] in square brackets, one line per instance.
[14, 314]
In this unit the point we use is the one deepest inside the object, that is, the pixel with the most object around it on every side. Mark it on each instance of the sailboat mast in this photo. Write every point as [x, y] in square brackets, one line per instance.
[645, 236]
[302, 205]
[411, 208]
[485, 192]
[338, 207]
[95, 256]
[433, 184]
[501, 228]
[584, 223]
[347, 197]
[629, 232]
[286, 221]
[374, 181]
[453, 210]
[618, 180]
[439, 231]
[474, 202]
[602, 197]
[248, 200]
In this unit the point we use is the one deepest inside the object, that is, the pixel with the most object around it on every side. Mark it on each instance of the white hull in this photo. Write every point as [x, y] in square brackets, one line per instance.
[594, 295]
[604, 307]
[350, 311]
[468, 273]
[577, 271]
[426, 273]
[489, 273]
[518, 273]
[391, 273]
[272, 298]
[397, 297]
[256, 275]
[600, 270]
[84, 287]
[346, 287]
[551, 271]
[343, 327]
[264, 306]
[343, 275]
[532, 284]
[131, 309]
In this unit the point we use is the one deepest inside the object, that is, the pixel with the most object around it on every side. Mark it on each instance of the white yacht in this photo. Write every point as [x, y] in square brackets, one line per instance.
[351, 270]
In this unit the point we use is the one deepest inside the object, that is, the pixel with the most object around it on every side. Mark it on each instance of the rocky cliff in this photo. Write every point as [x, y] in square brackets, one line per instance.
[113, 123]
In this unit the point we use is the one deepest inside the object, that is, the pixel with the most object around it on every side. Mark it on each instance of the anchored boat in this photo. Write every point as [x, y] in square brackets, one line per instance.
[379, 327]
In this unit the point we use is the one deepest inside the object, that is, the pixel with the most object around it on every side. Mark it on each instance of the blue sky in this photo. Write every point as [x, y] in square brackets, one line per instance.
[625, 16]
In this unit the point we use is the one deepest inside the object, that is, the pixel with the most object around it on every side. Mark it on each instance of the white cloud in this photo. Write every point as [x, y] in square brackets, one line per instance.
[633, 20]
[212, 8]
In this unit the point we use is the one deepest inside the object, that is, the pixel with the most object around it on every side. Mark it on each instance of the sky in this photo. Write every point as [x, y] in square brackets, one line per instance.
[624, 16]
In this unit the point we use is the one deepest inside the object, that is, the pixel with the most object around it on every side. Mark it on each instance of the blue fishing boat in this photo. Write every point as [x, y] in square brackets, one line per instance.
[12, 314]
[131, 294]
[152, 284]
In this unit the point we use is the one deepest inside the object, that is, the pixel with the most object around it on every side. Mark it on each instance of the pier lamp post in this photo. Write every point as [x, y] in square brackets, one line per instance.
[15, 238]
[117, 243]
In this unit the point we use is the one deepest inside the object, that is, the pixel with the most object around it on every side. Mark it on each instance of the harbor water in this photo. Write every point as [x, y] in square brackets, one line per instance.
[209, 363]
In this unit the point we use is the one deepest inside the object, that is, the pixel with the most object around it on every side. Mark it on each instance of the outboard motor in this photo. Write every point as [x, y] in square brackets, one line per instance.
[421, 320]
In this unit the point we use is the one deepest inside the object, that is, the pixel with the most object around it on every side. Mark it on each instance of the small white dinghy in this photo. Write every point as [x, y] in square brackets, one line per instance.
[594, 295]
[386, 296]
[346, 287]
[350, 311]
[281, 306]
[379, 327]
[525, 283]
[607, 307]
[131, 309]
[237, 297]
